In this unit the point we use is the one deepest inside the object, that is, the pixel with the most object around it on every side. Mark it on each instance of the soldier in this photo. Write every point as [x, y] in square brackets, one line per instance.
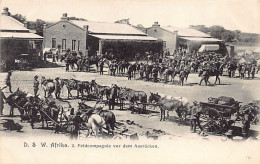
[247, 117]
[112, 97]
[155, 74]
[8, 81]
[28, 106]
[243, 71]
[129, 71]
[253, 71]
[193, 113]
[141, 71]
[74, 124]
[249, 68]
[182, 76]
[101, 68]
[204, 76]
[57, 88]
[2, 98]
[36, 85]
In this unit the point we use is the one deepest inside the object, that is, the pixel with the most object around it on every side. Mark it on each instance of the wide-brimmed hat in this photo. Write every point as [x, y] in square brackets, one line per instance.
[36, 76]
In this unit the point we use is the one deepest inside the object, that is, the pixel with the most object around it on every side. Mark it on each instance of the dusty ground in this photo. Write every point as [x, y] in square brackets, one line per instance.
[242, 90]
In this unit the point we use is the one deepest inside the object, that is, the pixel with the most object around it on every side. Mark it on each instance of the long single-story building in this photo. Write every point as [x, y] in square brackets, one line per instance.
[16, 41]
[98, 37]
[175, 37]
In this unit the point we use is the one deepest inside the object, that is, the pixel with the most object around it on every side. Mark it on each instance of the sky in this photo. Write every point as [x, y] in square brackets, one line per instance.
[241, 15]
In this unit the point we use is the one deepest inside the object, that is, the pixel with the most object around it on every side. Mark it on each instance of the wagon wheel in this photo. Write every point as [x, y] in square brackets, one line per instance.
[216, 124]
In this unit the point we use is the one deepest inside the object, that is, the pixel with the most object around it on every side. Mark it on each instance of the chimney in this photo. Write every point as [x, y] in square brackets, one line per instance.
[156, 24]
[6, 12]
[64, 17]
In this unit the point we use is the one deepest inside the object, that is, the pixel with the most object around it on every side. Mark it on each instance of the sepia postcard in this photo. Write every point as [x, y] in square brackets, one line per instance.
[129, 81]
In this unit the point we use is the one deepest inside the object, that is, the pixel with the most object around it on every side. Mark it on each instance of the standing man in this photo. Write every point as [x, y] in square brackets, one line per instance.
[57, 87]
[253, 71]
[112, 97]
[8, 81]
[101, 68]
[36, 85]
[2, 98]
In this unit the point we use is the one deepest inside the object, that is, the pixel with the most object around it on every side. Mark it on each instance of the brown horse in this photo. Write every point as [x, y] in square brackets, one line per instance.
[133, 96]
[167, 104]
[100, 90]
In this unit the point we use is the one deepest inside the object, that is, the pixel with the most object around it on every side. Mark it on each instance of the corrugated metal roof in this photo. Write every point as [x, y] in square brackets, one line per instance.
[188, 32]
[20, 35]
[124, 37]
[9, 23]
[108, 28]
[201, 39]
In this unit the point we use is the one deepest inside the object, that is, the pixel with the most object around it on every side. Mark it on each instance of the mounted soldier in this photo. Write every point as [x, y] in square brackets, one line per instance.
[36, 85]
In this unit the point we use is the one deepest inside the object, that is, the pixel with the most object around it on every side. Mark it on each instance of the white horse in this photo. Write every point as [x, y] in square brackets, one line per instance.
[96, 123]
[48, 86]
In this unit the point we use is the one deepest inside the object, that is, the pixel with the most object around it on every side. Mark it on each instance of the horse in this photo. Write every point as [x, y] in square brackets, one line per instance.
[100, 90]
[211, 72]
[17, 100]
[94, 122]
[133, 96]
[48, 86]
[71, 84]
[167, 104]
[110, 119]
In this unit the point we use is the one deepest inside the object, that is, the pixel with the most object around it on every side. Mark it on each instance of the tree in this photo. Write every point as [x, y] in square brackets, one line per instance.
[216, 31]
[19, 17]
[39, 27]
[228, 36]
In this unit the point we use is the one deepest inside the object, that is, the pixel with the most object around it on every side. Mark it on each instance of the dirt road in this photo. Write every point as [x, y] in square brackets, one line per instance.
[241, 90]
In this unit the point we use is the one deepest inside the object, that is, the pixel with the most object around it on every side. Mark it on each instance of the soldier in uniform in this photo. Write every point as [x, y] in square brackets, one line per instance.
[8, 81]
[74, 123]
[57, 87]
[193, 113]
[28, 106]
[112, 97]
[2, 98]
[36, 85]
[253, 71]
[247, 117]
[204, 76]
[249, 68]
[101, 68]
[141, 71]
[243, 71]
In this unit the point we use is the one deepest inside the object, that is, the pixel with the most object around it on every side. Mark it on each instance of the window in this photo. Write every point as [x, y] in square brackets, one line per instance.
[53, 43]
[64, 44]
[78, 45]
[73, 45]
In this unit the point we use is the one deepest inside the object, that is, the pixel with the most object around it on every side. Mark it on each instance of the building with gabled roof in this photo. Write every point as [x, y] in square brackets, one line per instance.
[175, 37]
[16, 40]
[91, 37]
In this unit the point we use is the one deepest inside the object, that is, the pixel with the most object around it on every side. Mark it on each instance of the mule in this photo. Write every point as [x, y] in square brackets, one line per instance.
[95, 123]
[48, 86]
[168, 104]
